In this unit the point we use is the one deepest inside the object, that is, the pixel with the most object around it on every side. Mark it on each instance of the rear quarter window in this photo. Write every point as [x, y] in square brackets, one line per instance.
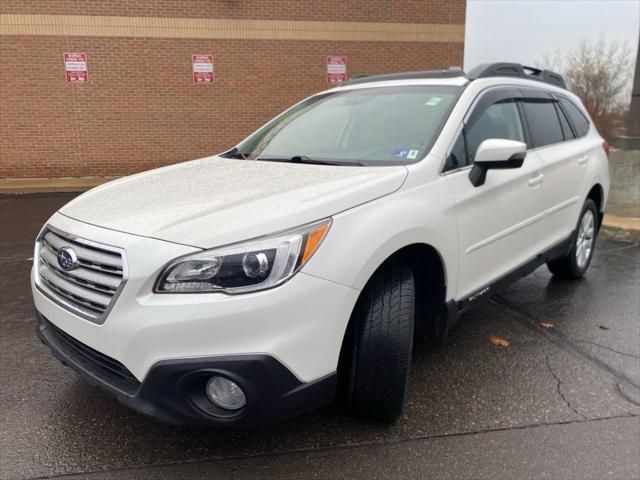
[566, 129]
[544, 124]
[577, 118]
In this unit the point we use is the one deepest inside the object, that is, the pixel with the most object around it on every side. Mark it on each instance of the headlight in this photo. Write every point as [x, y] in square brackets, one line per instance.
[244, 267]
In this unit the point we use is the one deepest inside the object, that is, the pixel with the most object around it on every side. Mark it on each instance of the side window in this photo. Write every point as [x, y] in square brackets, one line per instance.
[500, 120]
[566, 128]
[577, 118]
[544, 124]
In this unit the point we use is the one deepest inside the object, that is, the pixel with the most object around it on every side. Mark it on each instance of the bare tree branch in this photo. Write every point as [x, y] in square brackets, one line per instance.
[600, 73]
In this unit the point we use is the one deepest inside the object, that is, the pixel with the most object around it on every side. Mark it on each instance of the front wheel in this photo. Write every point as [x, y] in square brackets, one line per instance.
[380, 350]
[576, 262]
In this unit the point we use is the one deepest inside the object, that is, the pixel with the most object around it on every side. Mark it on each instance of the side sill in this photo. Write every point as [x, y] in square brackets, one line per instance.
[503, 282]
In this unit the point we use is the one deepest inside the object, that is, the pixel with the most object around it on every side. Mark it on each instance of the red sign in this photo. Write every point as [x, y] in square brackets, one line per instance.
[336, 69]
[202, 68]
[75, 67]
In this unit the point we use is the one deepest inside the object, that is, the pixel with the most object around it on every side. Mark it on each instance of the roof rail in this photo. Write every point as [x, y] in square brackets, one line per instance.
[451, 73]
[504, 69]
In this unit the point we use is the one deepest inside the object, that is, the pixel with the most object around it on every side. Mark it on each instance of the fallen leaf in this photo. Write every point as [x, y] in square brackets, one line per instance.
[501, 342]
[546, 325]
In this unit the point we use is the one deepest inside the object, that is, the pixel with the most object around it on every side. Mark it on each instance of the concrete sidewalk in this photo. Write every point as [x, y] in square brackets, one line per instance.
[19, 186]
[621, 228]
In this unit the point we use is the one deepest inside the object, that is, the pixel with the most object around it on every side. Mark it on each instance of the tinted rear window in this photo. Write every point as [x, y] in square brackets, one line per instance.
[544, 125]
[580, 123]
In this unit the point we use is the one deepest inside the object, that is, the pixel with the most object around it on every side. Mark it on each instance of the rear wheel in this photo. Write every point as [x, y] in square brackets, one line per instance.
[379, 355]
[576, 262]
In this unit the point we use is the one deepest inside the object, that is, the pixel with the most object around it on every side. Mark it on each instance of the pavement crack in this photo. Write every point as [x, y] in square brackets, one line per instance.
[562, 341]
[559, 390]
[609, 348]
[503, 302]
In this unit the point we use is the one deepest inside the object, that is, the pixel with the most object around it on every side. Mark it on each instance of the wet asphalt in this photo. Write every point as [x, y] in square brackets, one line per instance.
[562, 401]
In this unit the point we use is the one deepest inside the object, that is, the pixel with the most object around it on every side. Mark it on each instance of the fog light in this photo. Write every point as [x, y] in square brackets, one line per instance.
[225, 393]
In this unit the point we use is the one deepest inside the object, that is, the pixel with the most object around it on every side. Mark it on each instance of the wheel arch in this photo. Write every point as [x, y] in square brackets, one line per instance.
[430, 276]
[597, 195]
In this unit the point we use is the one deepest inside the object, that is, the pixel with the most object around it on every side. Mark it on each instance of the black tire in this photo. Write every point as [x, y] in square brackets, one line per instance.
[568, 266]
[382, 341]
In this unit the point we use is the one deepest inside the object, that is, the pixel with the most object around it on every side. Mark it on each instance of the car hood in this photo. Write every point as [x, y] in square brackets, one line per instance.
[216, 201]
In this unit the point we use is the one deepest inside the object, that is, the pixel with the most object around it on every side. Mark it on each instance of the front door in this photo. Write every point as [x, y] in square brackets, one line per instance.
[499, 221]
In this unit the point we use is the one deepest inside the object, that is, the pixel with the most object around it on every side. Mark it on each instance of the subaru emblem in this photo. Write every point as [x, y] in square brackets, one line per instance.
[67, 258]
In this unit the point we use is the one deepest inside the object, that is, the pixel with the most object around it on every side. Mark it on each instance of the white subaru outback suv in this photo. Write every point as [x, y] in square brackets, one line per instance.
[299, 266]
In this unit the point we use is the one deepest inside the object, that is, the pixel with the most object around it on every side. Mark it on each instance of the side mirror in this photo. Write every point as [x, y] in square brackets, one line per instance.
[496, 153]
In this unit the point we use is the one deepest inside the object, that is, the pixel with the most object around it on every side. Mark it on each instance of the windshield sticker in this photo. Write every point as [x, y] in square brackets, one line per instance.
[413, 154]
[433, 101]
[405, 153]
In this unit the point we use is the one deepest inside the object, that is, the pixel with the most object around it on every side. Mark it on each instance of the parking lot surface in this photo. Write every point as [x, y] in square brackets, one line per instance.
[561, 401]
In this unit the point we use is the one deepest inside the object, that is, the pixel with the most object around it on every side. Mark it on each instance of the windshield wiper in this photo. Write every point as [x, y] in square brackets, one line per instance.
[234, 153]
[311, 161]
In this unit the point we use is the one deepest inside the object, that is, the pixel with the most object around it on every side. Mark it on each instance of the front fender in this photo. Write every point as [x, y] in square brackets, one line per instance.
[362, 238]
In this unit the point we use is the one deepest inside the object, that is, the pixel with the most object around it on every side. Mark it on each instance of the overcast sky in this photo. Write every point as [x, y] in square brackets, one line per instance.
[523, 31]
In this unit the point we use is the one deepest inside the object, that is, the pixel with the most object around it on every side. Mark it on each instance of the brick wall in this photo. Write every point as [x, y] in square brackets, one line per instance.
[392, 11]
[141, 110]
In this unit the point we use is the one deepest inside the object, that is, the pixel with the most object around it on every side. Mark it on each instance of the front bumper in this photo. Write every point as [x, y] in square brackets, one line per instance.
[173, 390]
[282, 344]
[300, 323]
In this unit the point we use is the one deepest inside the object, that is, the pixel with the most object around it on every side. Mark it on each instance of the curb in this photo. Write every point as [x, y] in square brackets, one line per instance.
[626, 229]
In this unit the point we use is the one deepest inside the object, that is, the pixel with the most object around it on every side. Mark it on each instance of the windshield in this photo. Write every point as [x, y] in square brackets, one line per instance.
[371, 126]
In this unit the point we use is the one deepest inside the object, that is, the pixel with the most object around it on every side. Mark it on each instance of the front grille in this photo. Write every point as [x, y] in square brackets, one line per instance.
[92, 286]
[104, 368]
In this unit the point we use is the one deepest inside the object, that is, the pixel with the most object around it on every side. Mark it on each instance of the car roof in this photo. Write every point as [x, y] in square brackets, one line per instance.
[457, 77]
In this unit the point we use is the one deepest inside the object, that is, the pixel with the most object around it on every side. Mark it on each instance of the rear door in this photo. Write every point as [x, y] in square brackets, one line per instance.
[498, 222]
[563, 158]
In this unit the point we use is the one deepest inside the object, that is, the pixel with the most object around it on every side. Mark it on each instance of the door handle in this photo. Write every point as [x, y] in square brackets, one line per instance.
[537, 180]
[583, 160]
